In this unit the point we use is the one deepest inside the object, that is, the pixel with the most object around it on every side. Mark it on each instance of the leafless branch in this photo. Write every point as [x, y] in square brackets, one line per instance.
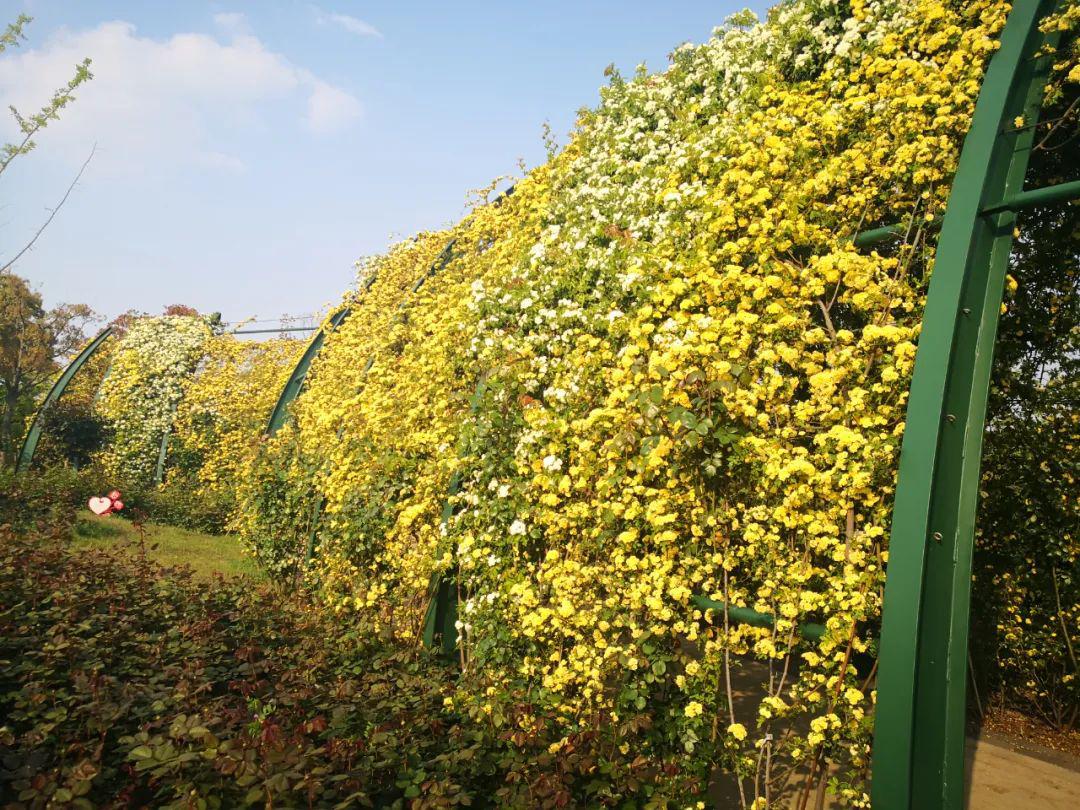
[52, 214]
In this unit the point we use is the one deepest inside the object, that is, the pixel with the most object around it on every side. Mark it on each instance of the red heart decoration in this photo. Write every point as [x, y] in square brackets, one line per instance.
[100, 506]
[114, 495]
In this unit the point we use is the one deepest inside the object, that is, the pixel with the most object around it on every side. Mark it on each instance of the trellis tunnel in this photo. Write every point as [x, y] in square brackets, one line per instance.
[919, 737]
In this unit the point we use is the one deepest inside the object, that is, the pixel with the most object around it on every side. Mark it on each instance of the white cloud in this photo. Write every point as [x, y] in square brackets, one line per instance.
[351, 24]
[330, 109]
[232, 22]
[176, 100]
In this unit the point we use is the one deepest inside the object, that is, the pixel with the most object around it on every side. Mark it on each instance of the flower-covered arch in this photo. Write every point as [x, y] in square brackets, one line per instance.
[708, 387]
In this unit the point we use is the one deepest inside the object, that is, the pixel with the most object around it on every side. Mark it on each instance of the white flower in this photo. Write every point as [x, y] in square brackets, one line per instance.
[552, 463]
[517, 527]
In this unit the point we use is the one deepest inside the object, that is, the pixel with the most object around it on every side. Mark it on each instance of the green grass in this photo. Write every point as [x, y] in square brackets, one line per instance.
[207, 554]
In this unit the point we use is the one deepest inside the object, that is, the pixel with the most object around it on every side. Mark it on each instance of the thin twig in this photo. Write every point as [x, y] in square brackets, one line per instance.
[975, 687]
[52, 214]
[1061, 618]
[727, 667]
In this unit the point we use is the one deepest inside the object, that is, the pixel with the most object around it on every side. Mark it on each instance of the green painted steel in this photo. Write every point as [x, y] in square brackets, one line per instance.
[437, 609]
[1063, 192]
[296, 380]
[313, 529]
[33, 435]
[441, 618]
[163, 448]
[742, 615]
[443, 259]
[1049, 195]
[440, 621]
[918, 754]
[885, 232]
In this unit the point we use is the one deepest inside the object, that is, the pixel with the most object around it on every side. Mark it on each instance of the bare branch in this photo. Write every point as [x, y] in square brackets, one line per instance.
[52, 214]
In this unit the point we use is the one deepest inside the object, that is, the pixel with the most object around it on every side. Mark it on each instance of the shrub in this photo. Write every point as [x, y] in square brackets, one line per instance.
[125, 684]
[71, 434]
[44, 501]
[181, 502]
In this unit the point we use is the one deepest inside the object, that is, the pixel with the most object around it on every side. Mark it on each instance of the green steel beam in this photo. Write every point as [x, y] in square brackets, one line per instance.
[33, 435]
[918, 753]
[1049, 195]
[742, 615]
[296, 380]
[441, 618]
[313, 529]
[440, 621]
[163, 448]
[1063, 192]
[877, 235]
[444, 257]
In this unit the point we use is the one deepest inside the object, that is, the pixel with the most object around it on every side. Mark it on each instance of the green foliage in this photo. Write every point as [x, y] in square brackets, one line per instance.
[179, 502]
[45, 501]
[124, 683]
[31, 338]
[13, 34]
[30, 125]
[71, 434]
[279, 515]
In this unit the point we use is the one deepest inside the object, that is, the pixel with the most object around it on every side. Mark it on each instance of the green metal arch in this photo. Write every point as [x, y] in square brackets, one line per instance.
[163, 447]
[444, 257]
[33, 435]
[295, 383]
[440, 262]
[918, 752]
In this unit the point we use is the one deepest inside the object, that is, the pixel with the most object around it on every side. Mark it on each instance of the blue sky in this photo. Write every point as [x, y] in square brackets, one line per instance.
[248, 153]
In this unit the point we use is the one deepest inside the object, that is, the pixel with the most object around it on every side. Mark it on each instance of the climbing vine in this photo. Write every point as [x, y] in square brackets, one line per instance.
[659, 369]
[655, 378]
[142, 389]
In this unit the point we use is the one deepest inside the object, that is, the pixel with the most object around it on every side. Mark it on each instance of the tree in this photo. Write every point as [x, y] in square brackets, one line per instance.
[31, 339]
[31, 125]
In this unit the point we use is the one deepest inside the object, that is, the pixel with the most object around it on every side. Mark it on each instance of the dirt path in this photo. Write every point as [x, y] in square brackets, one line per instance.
[999, 777]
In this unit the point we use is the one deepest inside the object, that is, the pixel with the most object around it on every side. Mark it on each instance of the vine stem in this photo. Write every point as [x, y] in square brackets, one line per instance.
[727, 668]
[1061, 618]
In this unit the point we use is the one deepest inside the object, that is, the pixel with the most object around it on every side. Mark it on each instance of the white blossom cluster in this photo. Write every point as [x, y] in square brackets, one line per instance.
[139, 396]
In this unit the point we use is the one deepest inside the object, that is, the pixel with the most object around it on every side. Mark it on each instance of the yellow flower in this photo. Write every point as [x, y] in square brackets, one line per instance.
[737, 730]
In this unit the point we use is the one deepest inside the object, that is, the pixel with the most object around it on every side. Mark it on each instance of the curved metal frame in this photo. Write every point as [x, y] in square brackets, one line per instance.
[918, 753]
[295, 382]
[33, 435]
[923, 651]
[918, 750]
[443, 258]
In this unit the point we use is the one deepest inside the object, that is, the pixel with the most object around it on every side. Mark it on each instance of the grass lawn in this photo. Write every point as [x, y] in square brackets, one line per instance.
[207, 554]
